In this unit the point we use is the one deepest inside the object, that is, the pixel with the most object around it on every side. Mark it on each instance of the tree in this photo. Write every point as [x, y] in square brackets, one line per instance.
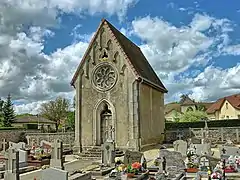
[71, 120]
[8, 112]
[193, 116]
[56, 110]
[1, 111]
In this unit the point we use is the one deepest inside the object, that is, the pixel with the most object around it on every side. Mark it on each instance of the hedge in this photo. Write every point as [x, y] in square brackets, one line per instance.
[11, 128]
[201, 124]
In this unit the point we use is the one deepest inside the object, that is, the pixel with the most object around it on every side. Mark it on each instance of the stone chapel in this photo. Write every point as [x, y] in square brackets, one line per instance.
[118, 94]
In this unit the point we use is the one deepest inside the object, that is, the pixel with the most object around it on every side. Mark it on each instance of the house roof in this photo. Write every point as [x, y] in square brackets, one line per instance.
[134, 55]
[234, 100]
[33, 119]
[177, 106]
[172, 106]
[187, 101]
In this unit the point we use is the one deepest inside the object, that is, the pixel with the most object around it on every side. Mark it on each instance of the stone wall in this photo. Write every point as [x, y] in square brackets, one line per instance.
[11, 135]
[65, 137]
[215, 135]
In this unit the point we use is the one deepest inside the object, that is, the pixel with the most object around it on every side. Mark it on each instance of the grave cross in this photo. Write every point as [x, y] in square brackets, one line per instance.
[12, 164]
[179, 136]
[224, 151]
[4, 143]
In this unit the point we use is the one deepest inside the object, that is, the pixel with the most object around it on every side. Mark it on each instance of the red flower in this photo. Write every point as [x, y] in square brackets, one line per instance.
[136, 165]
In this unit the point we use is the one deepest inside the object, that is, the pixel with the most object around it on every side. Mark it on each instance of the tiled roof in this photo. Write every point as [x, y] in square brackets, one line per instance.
[32, 119]
[234, 100]
[136, 57]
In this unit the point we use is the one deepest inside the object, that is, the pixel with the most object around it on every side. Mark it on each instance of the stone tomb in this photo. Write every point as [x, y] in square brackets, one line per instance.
[227, 151]
[202, 149]
[12, 165]
[57, 155]
[54, 173]
[174, 162]
[108, 153]
[17, 146]
[180, 146]
[132, 156]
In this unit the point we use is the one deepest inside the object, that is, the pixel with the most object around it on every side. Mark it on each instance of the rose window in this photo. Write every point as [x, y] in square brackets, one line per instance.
[104, 77]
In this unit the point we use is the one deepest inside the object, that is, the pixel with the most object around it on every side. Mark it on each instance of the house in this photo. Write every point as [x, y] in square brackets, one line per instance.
[173, 110]
[34, 122]
[225, 108]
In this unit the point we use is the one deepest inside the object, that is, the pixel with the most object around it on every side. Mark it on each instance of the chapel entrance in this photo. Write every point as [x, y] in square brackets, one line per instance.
[106, 124]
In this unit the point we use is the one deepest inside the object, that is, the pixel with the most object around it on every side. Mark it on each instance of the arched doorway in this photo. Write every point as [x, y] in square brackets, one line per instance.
[106, 124]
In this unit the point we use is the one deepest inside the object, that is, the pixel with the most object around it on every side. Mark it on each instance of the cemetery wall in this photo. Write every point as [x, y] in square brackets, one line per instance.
[215, 135]
[12, 135]
[65, 137]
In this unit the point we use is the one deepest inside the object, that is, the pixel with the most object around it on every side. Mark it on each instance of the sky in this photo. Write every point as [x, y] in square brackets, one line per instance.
[193, 46]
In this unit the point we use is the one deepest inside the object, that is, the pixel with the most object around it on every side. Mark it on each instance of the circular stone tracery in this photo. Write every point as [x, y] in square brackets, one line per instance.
[104, 77]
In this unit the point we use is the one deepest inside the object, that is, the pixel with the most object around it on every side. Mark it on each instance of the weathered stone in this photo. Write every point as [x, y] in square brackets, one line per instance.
[132, 156]
[180, 146]
[110, 100]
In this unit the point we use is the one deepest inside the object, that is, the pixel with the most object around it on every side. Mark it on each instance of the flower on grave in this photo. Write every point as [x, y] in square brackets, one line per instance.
[216, 175]
[136, 165]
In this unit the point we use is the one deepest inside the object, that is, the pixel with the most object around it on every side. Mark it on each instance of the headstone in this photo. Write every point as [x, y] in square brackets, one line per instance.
[108, 153]
[227, 151]
[173, 158]
[180, 146]
[54, 173]
[12, 165]
[57, 155]
[132, 156]
[23, 158]
[202, 149]
[4, 145]
[17, 146]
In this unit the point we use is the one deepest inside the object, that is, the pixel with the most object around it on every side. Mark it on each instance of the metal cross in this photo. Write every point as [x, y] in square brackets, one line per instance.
[224, 151]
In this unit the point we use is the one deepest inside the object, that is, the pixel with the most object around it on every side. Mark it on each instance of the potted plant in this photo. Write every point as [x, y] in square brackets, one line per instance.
[192, 167]
[136, 167]
[130, 172]
[216, 176]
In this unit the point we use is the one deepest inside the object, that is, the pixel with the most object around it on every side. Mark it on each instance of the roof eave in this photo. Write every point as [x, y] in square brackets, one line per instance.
[155, 86]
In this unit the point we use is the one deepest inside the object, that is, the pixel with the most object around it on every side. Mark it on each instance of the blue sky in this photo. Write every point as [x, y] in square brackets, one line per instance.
[194, 46]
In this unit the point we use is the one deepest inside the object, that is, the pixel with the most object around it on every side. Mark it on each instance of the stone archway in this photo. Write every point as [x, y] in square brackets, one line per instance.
[104, 116]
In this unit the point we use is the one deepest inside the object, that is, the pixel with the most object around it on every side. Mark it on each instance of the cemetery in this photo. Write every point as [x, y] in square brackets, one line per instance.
[191, 158]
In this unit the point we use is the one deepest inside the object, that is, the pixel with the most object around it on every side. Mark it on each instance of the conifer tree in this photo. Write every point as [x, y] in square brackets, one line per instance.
[1, 111]
[8, 112]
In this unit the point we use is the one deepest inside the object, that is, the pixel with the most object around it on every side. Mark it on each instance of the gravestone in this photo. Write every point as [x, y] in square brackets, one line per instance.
[202, 149]
[4, 144]
[132, 156]
[23, 158]
[12, 165]
[17, 146]
[173, 159]
[180, 146]
[108, 153]
[57, 154]
[227, 151]
[54, 173]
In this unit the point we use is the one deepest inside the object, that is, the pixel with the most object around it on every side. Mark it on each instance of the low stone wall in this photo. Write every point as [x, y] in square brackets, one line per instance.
[215, 135]
[12, 135]
[65, 137]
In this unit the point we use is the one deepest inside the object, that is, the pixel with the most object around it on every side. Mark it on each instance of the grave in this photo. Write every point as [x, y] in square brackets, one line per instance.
[57, 155]
[12, 165]
[202, 149]
[108, 153]
[54, 173]
[17, 146]
[180, 146]
[3, 146]
[227, 151]
[132, 156]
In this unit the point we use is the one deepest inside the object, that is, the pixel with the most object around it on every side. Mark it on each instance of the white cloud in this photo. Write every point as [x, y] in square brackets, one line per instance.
[26, 72]
[173, 50]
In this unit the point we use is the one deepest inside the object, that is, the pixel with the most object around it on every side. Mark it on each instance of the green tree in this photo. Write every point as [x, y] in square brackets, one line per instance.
[193, 116]
[56, 110]
[70, 124]
[201, 107]
[1, 112]
[8, 112]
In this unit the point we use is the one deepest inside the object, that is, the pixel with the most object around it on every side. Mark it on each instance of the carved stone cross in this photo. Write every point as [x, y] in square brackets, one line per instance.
[4, 143]
[179, 136]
